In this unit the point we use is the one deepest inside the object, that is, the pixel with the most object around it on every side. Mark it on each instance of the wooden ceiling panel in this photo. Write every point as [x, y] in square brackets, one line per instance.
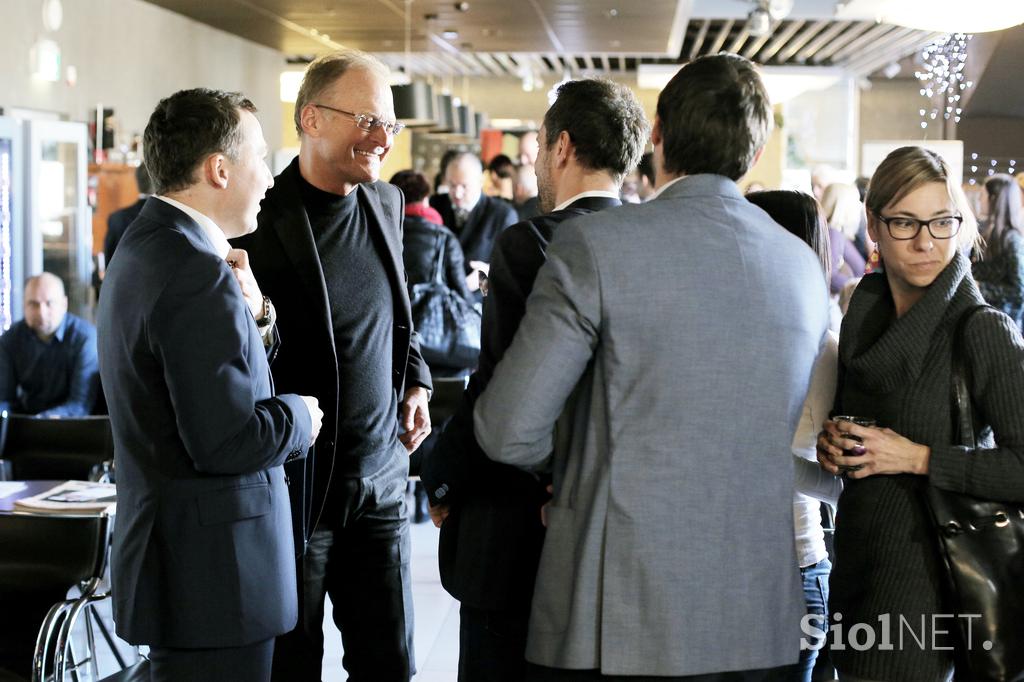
[500, 37]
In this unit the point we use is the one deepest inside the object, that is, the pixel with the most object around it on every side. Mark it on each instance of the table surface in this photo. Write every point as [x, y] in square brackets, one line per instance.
[31, 488]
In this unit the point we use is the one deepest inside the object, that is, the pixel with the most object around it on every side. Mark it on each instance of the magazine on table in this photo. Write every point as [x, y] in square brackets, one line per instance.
[70, 497]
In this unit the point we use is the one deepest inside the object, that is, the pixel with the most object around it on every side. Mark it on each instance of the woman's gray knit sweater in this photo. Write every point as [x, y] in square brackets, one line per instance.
[898, 372]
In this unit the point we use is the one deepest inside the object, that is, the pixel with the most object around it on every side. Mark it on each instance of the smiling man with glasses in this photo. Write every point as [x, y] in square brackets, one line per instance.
[329, 254]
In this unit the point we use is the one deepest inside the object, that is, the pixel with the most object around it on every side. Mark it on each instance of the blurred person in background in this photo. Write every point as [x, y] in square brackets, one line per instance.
[999, 269]
[501, 176]
[843, 210]
[801, 214]
[476, 219]
[48, 362]
[524, 196]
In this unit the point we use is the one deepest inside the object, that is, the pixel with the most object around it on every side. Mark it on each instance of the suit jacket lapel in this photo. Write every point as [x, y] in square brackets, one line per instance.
[291, 223]
[378, 219]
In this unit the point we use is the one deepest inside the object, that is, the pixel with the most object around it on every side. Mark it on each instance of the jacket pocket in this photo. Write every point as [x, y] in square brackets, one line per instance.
[234, 504]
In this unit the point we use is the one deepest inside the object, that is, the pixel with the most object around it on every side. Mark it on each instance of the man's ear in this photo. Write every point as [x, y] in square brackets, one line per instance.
[656, 132]
[309, 119]
[564, 148]
[215, 171]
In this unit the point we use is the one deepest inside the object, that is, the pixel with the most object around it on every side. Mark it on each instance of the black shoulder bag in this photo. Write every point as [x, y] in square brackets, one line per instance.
[449, 325]
[982, 546]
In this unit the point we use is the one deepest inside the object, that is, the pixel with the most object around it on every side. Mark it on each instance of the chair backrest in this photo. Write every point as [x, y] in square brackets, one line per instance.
[57, 448]
[51, 551]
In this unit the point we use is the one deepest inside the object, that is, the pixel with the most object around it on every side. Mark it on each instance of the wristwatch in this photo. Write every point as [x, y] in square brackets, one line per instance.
[268, 314]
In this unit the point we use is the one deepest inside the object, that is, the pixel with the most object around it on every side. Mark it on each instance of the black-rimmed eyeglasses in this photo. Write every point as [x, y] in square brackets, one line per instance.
[368, 122]
[901, 228]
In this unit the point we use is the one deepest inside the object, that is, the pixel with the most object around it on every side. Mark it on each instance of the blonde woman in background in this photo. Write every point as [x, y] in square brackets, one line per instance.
[842, 207]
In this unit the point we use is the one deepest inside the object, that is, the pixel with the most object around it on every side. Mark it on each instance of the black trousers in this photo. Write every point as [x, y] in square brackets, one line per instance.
[250, 663]
[492, 644]
[360, 557]
[538, 673]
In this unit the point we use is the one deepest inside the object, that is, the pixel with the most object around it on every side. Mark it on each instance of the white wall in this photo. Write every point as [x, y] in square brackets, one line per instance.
[129, 54]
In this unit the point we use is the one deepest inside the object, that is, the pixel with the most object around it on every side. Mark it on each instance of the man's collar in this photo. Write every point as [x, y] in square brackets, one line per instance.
[213, 233]
[61, 328]
[584, 195]
[658, 192]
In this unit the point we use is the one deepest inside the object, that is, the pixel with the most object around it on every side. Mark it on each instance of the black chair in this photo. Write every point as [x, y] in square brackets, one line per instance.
[48, 554]
[56, 448]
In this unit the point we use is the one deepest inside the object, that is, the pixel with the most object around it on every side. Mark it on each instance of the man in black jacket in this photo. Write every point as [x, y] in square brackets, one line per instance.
[329, 254]
[490, 513]
[120, 219]
[474, 217]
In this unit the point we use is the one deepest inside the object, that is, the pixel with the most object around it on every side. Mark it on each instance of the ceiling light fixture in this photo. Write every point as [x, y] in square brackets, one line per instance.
[414, 99]
[946, 16]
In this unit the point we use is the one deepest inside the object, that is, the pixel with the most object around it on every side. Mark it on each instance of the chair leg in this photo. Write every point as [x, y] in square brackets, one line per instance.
[90, 640]
[59, 659]
[110, 640]
[44, 640]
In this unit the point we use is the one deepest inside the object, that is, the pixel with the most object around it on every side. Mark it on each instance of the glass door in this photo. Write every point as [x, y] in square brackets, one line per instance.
[59, 238]
[11, 271]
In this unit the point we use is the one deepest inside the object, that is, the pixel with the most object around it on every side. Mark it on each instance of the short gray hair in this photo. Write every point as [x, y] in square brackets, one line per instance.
[323, 72]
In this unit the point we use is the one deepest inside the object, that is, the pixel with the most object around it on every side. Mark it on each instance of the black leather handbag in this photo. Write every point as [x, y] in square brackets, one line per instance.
[982, 547]
[448, 325]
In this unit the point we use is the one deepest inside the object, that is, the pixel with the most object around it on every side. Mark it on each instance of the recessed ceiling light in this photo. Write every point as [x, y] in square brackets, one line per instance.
[450, 34]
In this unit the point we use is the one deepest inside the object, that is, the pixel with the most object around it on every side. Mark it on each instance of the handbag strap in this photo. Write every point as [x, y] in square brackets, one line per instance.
[440, 244]
[963, 412]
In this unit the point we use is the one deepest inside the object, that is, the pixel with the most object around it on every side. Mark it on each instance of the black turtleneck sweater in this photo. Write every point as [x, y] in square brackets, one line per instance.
[898, 371]
[360, 299]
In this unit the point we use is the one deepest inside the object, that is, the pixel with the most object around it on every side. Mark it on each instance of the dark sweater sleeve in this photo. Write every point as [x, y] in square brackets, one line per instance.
[996, 358]
[1006, 289]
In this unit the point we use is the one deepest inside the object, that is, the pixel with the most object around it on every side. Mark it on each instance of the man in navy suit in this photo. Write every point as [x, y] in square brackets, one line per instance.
[491, 535]
[203, 557]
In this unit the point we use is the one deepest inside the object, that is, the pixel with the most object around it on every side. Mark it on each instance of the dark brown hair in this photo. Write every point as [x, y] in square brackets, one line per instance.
[185, 129]
[605, 122]
[714, 115]
[801, 214]
[1003, 212]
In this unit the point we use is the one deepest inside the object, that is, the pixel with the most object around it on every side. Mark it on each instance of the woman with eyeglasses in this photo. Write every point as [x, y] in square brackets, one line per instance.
[895, 368]
[1000, 270]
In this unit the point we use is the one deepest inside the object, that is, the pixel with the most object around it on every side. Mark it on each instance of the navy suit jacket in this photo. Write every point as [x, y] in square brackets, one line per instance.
[490, 543]
[203, 553]
[283, 256]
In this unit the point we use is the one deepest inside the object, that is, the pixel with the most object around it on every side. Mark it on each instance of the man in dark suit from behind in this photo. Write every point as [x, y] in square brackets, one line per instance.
[489, 513]
[203, 560]
[474, 217]
[329, 252]
[120, 219]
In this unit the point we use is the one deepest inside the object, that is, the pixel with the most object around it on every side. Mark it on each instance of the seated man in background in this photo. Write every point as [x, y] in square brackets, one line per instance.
[48, 364]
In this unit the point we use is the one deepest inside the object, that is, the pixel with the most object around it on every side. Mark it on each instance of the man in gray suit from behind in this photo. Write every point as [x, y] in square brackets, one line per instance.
[659, 371]
[203, 559]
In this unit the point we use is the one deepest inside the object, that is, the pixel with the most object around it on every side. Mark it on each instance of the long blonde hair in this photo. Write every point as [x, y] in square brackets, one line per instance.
[906, 169]
[843, 211]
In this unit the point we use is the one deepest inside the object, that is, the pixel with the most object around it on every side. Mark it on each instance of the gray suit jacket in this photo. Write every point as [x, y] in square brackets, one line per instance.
[676, 340]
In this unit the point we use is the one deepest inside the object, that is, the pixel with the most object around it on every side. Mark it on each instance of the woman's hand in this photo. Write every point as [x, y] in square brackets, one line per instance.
[879, 451]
